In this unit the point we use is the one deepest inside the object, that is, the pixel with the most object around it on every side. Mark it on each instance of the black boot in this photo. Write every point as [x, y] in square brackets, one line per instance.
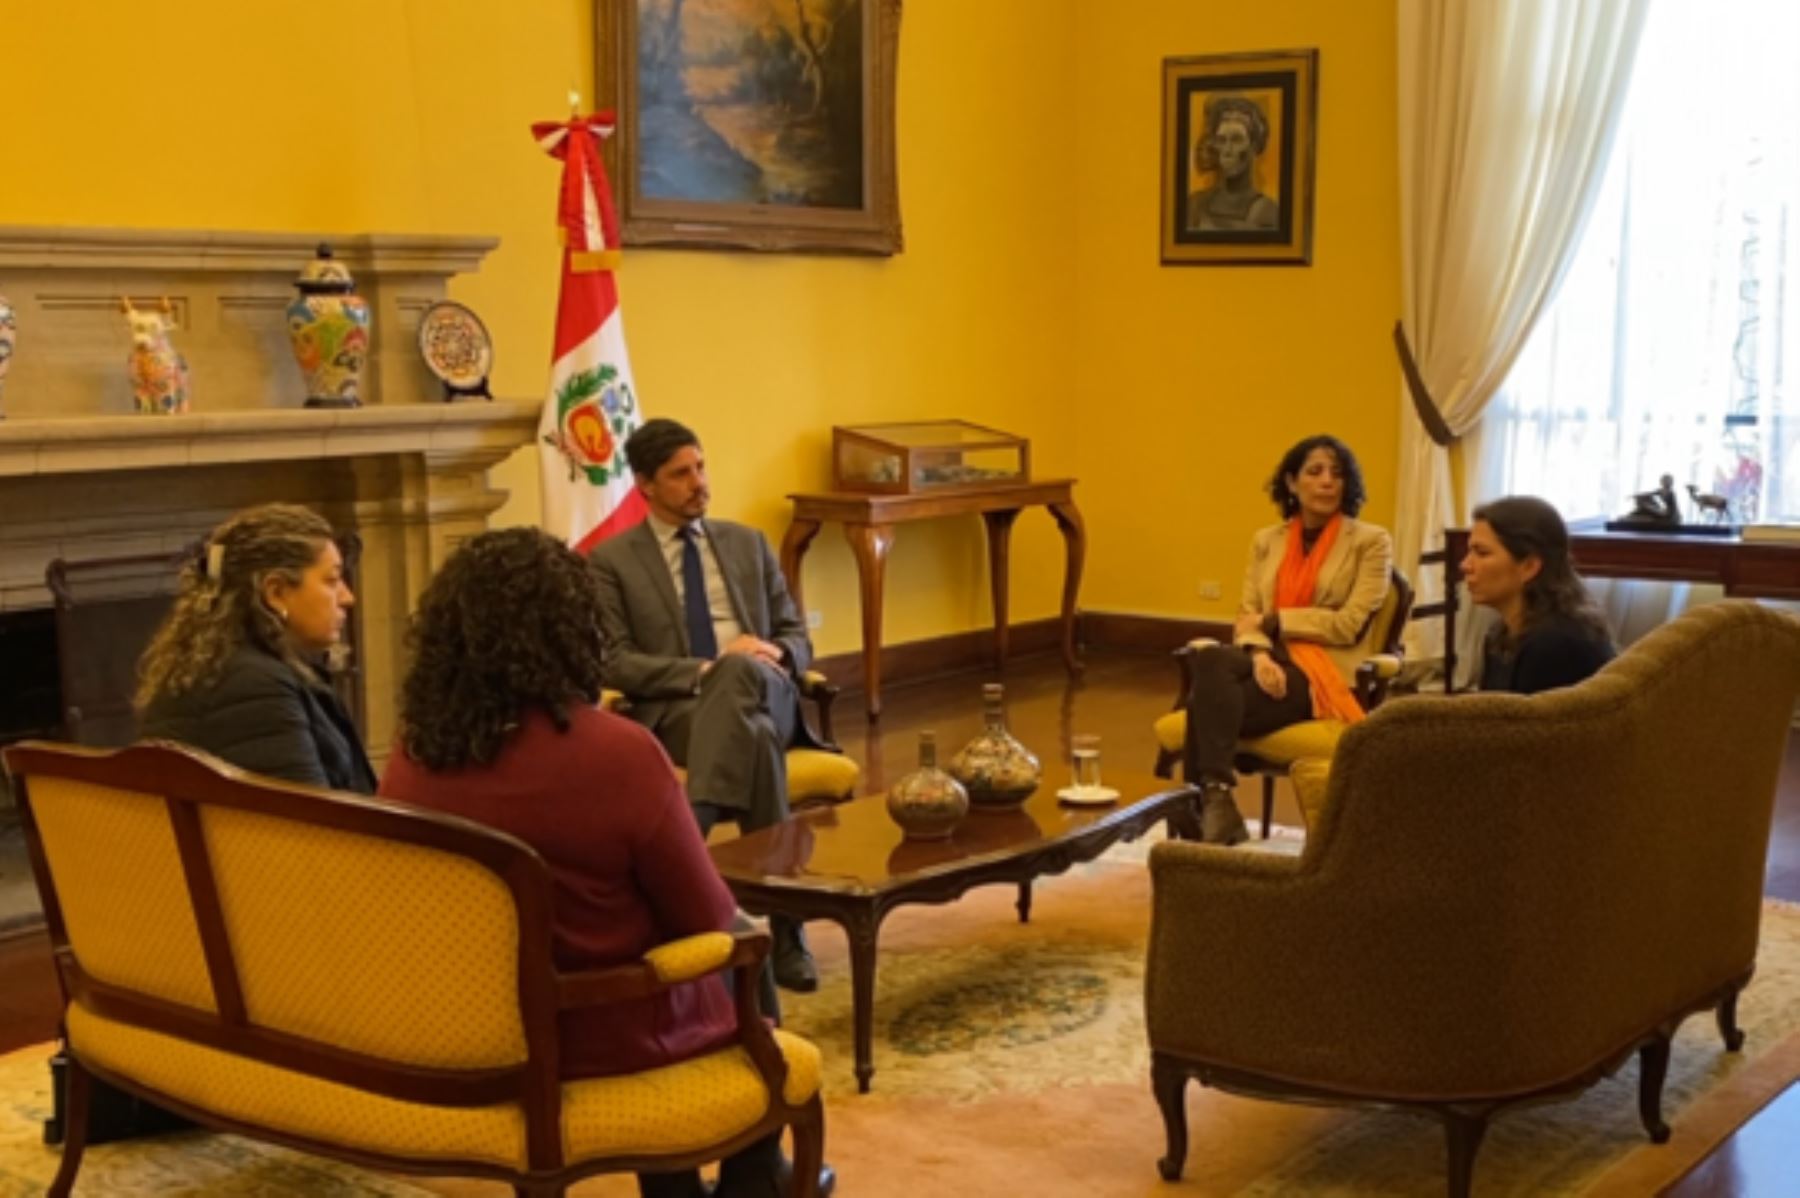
[794, 968]
[1220, 822]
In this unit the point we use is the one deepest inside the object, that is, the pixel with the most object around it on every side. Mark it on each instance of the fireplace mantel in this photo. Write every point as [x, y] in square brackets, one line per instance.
[111, 443]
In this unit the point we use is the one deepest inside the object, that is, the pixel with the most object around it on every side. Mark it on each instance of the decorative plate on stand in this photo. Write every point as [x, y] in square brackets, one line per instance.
[457, 349]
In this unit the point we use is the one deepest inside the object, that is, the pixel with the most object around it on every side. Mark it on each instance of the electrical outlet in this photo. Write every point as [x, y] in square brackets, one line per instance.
[815, 619]
[1210, 589]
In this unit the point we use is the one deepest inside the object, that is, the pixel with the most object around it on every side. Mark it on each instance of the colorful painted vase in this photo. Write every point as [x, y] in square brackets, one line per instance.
[927, 803]
[996, 770]
[9, 328]
[329, 326]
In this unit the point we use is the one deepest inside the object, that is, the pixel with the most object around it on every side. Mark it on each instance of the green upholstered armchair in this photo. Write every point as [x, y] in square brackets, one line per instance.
[1504, 896]
[1271, 756]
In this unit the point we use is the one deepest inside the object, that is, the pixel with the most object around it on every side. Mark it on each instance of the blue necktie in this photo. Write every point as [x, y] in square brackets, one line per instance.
[701, 641]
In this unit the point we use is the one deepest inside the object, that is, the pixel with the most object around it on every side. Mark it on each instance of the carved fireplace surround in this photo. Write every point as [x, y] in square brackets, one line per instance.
[82, 476]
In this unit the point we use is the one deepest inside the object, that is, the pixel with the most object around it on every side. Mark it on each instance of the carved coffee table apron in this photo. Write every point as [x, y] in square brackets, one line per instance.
[850, 864]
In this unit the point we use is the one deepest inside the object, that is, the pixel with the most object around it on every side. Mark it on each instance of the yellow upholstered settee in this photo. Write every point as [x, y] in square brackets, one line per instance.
[815, 775]
[1501, 899]
[363, 980]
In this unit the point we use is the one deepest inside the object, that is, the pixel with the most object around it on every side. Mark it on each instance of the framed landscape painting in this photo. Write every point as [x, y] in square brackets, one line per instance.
[1237, 155]
[753, 124]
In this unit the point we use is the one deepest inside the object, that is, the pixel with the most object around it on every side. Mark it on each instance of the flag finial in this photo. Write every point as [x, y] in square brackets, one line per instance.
[574, 103]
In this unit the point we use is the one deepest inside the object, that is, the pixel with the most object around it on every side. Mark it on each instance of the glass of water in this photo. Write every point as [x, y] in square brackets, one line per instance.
[1084, 763]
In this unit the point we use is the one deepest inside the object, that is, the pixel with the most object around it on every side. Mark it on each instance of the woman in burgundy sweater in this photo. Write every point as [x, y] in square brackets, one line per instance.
[499, 725]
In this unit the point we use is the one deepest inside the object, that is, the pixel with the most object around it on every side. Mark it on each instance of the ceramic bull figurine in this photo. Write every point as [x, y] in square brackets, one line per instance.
[159, 374]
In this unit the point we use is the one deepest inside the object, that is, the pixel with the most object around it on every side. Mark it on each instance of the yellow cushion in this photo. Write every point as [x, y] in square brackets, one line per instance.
[684, 1107]
[124, 898]
[691, 956]
[1171, 731]
[814, 775]
[1309, 738]
[1310, 776]
[393, 950]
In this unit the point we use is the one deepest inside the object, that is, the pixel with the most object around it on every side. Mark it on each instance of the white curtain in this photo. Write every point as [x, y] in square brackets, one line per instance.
[1666, 349]
[1507, 114]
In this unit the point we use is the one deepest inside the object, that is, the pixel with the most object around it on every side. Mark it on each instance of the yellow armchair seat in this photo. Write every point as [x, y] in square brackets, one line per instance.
[819, 776]
[1311, 738]
[679, 1108]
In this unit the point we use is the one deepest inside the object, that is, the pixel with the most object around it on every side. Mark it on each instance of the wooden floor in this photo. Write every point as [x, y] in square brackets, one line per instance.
[1117, 699]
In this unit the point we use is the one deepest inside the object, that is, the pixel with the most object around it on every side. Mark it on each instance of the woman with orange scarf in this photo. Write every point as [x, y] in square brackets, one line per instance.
[1313, 582]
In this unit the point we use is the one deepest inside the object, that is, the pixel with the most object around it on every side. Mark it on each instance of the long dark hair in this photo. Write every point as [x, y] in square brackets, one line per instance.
[509, 624]
[1529, 527]
[219, 603]
[1293, 459]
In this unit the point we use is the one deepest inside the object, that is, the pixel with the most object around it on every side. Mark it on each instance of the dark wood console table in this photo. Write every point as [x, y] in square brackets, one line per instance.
[869, 522]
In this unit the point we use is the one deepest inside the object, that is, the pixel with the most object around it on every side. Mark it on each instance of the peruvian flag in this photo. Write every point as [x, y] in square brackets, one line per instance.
[587, 486]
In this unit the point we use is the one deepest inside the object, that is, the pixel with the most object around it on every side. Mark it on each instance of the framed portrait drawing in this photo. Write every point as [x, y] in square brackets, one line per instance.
[753, 124]
[1237, 158]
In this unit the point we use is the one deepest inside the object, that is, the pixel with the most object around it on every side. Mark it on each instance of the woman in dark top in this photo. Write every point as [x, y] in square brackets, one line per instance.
[499, 724]
[240, 666]
[1551, 633]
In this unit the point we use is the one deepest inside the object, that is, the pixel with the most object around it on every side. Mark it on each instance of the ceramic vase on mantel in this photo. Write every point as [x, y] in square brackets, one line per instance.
[998, 772]
[927, 803]
[9, 327]
[328, 324]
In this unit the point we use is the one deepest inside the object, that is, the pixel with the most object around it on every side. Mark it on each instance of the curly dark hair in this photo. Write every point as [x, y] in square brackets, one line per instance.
[1293, 459]
[1529, 527]
[508, 624]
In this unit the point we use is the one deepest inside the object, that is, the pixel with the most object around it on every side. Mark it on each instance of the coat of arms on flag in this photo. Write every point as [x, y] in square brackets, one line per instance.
[595, 412]
[592, 408]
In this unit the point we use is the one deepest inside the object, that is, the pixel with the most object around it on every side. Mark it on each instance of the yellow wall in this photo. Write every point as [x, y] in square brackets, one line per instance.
[1029, 295]
[1193, 380]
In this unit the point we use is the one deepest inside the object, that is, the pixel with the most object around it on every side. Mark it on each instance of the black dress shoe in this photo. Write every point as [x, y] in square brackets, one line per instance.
[794, 968]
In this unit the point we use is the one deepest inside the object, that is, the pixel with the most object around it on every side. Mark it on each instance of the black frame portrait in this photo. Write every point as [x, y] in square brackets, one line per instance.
[1270, 221]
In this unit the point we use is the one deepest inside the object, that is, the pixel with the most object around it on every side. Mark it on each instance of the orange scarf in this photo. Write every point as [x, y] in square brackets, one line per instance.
[1296, 585]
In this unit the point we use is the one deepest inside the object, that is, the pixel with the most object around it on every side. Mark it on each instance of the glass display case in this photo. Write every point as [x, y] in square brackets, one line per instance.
[930, 455]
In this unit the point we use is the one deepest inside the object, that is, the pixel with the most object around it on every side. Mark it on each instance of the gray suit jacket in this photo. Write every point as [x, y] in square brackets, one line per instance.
[647, 653]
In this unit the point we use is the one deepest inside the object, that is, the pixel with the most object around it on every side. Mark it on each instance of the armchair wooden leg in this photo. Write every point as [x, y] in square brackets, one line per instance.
[1653, 1067]
[1169, 1081]
[1463, 1131]
[809, 1149]
[1729, 1031]
[75, 1128]
[1268, 804]
[1025, 901]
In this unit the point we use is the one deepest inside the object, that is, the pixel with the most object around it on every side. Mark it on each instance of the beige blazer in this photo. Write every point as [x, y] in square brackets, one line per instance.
[1353, 581]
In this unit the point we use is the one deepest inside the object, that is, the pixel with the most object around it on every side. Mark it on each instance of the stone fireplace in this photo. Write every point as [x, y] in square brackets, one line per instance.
[81, 476]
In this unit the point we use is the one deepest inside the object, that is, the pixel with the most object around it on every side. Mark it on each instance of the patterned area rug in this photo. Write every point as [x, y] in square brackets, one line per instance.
[1011, 1058]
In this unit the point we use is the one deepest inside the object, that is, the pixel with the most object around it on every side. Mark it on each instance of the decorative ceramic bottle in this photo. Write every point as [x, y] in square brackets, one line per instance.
[9, 328]
[927, 803]
[995, 768]
[328, 324]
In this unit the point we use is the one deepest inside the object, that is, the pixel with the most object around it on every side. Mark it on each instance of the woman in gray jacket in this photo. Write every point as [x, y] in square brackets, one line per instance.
[240, 666]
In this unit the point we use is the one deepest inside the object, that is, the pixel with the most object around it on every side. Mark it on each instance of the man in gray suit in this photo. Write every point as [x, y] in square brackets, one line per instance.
[702, 637]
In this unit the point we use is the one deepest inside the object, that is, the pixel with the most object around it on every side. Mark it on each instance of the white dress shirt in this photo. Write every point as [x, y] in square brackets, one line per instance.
[718, 600]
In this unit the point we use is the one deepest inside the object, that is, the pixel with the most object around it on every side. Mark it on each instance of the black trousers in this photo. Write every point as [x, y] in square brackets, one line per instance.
[750, 1171]
[1225, 704]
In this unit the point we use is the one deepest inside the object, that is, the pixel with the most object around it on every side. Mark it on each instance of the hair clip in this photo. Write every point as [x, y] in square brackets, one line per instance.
[215, 561]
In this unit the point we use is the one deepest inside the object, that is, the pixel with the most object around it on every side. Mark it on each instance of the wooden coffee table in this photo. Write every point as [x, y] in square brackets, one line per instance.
[850, 864]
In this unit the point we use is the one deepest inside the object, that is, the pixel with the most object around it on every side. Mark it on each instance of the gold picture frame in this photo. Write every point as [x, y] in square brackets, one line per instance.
[1237, 162]
[753, 124]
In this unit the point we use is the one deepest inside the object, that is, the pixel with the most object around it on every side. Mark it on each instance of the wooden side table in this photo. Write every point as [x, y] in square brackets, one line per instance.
[869, 522]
